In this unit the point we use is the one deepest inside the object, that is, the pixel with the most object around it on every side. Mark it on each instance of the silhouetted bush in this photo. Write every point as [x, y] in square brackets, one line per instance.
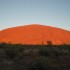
[49, 42]
[34, 57]
[43, 52]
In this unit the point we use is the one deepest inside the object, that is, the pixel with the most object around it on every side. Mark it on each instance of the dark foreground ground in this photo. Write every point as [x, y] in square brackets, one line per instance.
[34, 57]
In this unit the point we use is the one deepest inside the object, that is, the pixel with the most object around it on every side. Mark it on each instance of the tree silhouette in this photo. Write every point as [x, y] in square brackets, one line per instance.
[49, 42]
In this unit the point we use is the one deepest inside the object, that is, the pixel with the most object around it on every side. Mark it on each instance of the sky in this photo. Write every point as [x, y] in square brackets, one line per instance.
[54, 13]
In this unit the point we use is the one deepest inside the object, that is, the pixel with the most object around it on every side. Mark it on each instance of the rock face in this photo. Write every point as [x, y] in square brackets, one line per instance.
[35, 34]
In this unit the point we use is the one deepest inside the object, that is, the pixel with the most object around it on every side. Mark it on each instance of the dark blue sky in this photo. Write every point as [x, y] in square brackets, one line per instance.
[47, 12]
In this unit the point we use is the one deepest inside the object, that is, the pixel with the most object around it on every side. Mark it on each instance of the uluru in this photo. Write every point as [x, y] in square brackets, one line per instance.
[35, 34]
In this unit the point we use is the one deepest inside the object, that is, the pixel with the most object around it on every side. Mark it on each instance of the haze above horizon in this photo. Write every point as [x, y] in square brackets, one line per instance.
[45, 12]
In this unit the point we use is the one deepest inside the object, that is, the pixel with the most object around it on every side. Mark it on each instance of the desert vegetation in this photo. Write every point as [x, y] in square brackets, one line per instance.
[34, 57]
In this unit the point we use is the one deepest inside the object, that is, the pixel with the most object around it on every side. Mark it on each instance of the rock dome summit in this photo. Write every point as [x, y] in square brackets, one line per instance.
[35, 34]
